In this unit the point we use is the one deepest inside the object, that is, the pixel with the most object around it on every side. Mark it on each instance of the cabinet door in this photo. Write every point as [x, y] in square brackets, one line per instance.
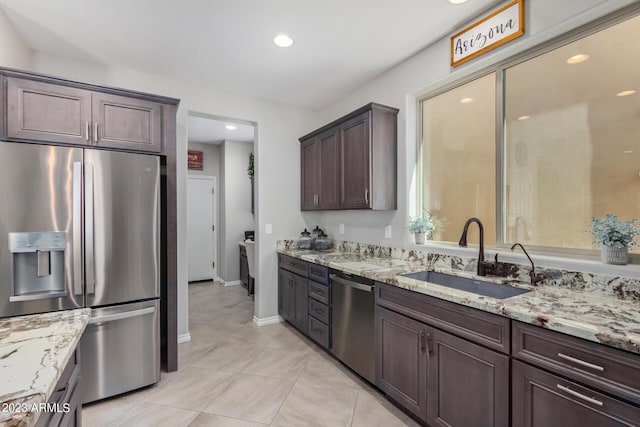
[401, 360]
[300, 300]
[284, 290]
[541, 399]
[47, 112]
[328, 197]
[468, 384]
[355, 163]
[309, 164]
[126, 123]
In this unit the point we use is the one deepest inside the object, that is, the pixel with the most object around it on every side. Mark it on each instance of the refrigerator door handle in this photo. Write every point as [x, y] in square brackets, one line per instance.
[89, 230]
[77, 228]
[123, 315]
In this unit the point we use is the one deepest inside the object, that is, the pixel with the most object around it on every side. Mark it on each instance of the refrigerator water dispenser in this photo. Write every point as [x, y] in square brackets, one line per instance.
[37, 265]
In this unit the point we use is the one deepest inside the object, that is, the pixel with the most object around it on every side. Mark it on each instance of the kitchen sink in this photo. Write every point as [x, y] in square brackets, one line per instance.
[466, 284]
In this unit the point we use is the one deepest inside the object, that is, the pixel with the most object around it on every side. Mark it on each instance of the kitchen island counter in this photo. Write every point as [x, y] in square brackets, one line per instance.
[34, 350]
[582, 313]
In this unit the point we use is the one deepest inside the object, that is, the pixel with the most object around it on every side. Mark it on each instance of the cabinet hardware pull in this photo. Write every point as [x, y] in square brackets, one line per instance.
[579, 395]
[423, 341]
[581, 362]
[95, 132]
[429, 343]
[366, 195]
[88, 131]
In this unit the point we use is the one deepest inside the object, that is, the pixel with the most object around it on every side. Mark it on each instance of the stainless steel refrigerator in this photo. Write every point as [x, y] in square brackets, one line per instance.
[81, 228]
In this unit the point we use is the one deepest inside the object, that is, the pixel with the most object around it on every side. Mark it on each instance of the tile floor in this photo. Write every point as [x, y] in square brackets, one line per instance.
[233, 373]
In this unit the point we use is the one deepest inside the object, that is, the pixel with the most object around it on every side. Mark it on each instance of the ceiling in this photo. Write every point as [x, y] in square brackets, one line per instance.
[227, 44]
[214, 131]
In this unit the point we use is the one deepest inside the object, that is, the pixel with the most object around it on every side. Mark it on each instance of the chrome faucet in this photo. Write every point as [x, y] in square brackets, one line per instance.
[535, 278]
[484, 267]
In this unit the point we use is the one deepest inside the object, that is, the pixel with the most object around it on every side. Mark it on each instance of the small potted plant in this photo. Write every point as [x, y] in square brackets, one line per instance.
[420, 226]
[615, 237]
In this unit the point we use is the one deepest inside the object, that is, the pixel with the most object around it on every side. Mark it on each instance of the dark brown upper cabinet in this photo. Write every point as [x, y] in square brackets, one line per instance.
[351, 163]
[50, 112]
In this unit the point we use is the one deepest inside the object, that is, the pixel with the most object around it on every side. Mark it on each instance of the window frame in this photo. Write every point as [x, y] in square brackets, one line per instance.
[499, 68]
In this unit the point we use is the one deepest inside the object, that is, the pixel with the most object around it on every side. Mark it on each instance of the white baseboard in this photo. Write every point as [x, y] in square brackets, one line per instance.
[233, 283]
[184, 338]
[267, 320]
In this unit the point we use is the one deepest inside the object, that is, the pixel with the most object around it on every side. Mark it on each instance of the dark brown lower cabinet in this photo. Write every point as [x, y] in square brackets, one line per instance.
[64, 408]
[442, 379]
[542, 399]
[401, 362]
[293, 295]
[468, 385]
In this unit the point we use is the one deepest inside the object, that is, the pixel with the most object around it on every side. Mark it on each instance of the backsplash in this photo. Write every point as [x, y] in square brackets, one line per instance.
[606, 285]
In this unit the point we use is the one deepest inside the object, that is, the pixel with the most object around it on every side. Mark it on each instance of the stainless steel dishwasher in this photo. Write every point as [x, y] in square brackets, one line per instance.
[352, 327]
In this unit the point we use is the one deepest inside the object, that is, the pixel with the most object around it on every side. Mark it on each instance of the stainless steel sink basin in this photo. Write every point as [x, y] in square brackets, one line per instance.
[479, 287]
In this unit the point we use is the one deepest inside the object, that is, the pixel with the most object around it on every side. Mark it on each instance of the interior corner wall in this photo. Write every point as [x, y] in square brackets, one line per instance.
[237, 204]
[14, 53]
[424, 72]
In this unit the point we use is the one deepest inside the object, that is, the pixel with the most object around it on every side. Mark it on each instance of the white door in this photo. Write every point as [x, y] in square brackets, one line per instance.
[201, 228]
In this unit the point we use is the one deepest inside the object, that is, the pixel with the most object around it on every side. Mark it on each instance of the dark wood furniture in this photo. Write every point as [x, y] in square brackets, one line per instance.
[586, 383]
[428, 359]
[244, 267]
[42, 109]
[49, 112]
[351, 163]
[304, 297]
[65, 405]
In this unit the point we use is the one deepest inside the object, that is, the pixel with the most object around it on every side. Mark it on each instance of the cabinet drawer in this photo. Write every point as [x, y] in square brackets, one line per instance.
[292, 264]
[541, 399]
[319, 292]
[319, 311]
[478, 326]
[319, 332]
[319, 273]
[608, 369]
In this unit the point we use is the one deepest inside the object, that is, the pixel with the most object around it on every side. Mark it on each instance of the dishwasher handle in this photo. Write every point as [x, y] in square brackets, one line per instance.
[351, 284]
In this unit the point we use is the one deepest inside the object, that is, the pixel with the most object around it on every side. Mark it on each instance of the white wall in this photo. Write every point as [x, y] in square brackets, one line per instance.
[278, 127]
[14, 53]
[236, 205]
[211, 160]
[426, 71]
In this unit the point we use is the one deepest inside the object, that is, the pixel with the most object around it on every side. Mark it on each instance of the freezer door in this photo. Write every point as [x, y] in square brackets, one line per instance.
[122, 227]
[40, 228]
[120, 350]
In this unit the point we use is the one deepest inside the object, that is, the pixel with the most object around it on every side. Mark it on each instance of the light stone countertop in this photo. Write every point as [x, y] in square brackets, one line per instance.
[607, 320]
[34, 350]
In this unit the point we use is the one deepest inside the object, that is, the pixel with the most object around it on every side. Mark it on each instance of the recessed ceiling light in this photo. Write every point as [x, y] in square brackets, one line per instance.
[457, 1]
[230, 127]
[626, 93]
[628, 151]
[466, 100]
[576, 59]
[524, 117]
[283, 40]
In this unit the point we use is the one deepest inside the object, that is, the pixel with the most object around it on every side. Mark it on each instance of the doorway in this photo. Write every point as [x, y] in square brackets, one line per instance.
[201, 228]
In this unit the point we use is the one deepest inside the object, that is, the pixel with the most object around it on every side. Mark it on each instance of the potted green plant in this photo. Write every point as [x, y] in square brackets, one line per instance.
[614, 237]
[420, 226]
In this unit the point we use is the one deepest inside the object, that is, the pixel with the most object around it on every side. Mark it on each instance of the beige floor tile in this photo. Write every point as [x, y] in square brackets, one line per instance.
[317, 406]
[251, 397]
[208, 420]
[146, 414]
[377, 411]
[106, 411]
[290, 339]
[322, 369]
[194, 388]
[276, 363]
[230, 355]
